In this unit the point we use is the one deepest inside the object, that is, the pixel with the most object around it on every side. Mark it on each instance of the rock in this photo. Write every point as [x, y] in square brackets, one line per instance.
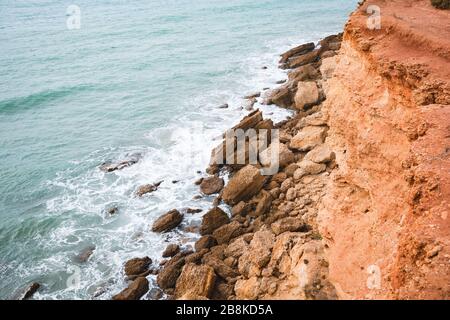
[193, 211]
[30, 291]
[137, 266]
[112, 210]
[167, 221]
[320, 154]
[222, 290]
[211, 185]
[227, 232]
[171, 250]
[303, 73]
[285, 156]
[249, 121]
[257, 254]
[243, 185]
[155, 294]
[198, 182]
[220, 268]
[196, 257]
[205, 242]
[110, 167]
[253, 95]
[147, 188]
[85, 254]
[291, 194]
[242, 209]
[286, 185]
[308, 138]
[326, 55]
[291, 224]
[135, 290]
[282, 97]
[195, 280]
[307, 167]
[212, 220]
[168, 276]
[300, 50]
[248, 104]
[236, 248]
[261, 203]
[307, 95]
[302, 60]
[248, 289]
[316, 119]
[290, 169]
[223, 106]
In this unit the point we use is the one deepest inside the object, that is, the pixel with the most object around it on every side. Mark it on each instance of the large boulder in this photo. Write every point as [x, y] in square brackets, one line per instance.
[195, 280]
[205, 242]
[212, 220]
[304, 59]
[147, 188]
[308, 138]
[227, 232]
[135, 290]
[171, 250]
[307, 95]
[282, 97]
[300, 50]
[168, 276]
[284, 156]
[137, 266]
[243, 185]
[320, 154]
[211, 185]
[304, 73]
[257, 254]
[167, 221]
[307, 167]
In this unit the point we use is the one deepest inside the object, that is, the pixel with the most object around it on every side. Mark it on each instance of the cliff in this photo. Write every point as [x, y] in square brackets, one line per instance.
[386, 207]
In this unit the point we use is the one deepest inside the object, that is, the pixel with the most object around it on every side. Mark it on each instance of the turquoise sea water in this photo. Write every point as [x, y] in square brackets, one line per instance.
[138, 77]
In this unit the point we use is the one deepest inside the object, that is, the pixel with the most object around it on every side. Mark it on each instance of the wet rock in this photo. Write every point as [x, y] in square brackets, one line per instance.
[308, 138]
[211, 185]
[155, 294]
[195, 280]
[137, 266]
[291, 224]
[223, 106]
[110, 167]
[193, 211]
[320, 154]
[85, 254]
[168, 276]
[307, 167]
[248, 104]
[135, 290]
[284, 156]
[282, 97]
[30, 291]
[307, 95]
[249, 121]
[168, 221]
[299, 50]
[227, 232]
[171, 250]
[147, 188]
[205, 242]
[212, 220]
[198, 182]
[243, 185]
[112, 210]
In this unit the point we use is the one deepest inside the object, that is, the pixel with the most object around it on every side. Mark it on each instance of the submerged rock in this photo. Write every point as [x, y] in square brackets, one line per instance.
[85, 254]
[30, 291]
[168, 221]
[147, 188]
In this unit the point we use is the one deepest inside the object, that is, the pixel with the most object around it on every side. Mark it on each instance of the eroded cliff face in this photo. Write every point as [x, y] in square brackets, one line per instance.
[384, 217]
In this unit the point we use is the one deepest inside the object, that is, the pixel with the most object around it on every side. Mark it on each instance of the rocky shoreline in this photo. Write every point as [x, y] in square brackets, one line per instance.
[271, 234]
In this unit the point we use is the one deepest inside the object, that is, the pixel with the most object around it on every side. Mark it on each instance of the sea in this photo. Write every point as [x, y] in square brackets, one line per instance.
[84, 82]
